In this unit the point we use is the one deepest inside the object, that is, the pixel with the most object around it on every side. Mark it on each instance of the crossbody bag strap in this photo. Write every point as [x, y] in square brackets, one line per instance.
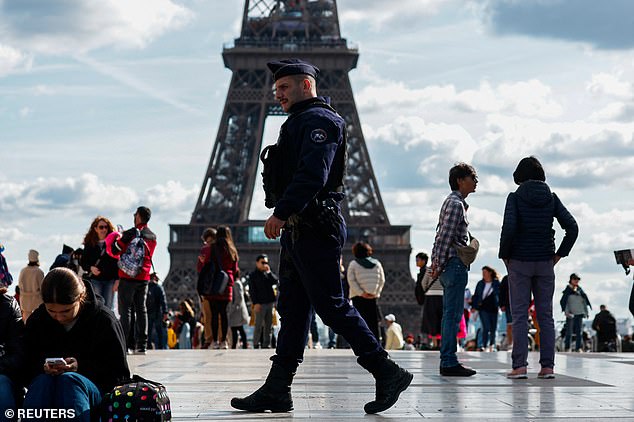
[217, 259]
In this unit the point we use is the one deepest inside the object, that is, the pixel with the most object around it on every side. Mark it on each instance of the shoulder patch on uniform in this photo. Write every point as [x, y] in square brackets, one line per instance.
[318, 136]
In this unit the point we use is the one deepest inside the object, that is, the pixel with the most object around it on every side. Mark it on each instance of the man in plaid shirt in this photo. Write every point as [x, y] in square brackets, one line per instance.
[452, 232]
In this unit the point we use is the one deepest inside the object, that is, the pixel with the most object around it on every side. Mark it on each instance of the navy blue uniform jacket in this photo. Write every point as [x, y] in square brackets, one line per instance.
[310, 138]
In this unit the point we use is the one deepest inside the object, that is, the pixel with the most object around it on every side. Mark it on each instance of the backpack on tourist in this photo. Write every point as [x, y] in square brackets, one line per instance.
[139, 400]
[131, 260]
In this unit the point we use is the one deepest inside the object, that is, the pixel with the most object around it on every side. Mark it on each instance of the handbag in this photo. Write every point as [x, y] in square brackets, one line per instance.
[205, 280]
[220, 277]
[212, 280]
[139, 400]
[468, 254]
[423, 284]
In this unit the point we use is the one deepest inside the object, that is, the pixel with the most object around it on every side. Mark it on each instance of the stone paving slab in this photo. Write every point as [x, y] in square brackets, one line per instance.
[331, 386]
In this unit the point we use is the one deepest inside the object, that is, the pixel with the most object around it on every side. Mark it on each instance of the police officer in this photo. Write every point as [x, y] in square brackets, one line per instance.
[308, 217]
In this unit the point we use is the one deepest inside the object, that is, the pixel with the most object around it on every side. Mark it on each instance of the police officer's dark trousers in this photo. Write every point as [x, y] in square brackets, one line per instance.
[310, 282]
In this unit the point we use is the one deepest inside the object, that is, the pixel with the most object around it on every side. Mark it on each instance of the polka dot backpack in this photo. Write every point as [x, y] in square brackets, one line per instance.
[139, 400]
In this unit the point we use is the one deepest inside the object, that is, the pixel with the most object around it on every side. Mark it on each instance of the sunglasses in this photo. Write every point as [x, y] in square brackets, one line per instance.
[264, 262]
[102, 227]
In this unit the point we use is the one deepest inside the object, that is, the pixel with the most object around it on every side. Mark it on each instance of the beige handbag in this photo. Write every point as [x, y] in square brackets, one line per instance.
[468, 254]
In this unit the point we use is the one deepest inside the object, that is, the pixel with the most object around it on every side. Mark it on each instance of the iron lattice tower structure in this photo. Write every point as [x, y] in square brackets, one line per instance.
[274, 29]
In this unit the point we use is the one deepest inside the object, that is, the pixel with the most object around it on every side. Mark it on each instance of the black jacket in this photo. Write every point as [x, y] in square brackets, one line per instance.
[107, 264]
[505, 299]
[96, 341]
[491, 303]
[605, 325]
[11, 337]
[312, 145]
[155, 300]
[527, 230]
[261, 287]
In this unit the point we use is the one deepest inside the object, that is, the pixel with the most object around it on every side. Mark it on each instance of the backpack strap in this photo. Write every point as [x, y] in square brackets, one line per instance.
[146, 248]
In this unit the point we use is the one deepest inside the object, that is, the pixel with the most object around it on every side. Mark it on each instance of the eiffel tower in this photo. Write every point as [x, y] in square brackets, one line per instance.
[274, 29]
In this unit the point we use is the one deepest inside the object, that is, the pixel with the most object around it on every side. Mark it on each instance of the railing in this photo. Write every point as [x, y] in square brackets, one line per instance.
[183, 235]
[291, 44]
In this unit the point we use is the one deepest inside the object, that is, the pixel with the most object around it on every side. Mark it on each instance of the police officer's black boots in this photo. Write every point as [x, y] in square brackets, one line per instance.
[274, 395]
[391, 381]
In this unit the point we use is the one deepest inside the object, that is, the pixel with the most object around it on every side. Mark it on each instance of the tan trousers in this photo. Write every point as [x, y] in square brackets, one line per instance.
[206, 308]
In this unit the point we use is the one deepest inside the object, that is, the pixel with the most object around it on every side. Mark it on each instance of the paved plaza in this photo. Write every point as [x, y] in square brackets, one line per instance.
[331, 386]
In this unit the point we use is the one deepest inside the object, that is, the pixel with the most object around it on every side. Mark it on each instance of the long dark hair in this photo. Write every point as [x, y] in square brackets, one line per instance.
[91, 237]
[63, 287]
[225, 240]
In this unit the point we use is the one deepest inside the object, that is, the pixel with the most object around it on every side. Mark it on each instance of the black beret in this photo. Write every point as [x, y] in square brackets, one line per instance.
[287, 67]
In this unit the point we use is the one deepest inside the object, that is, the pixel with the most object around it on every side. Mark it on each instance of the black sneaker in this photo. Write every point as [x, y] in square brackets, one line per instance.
[456, 371]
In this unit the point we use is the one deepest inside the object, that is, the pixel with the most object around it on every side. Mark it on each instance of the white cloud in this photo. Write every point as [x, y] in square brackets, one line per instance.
[12, 60]
[611, 85]
[614, 112]
[600, 150]
[172, 196]
[377, 14]
[87, 194]
[10, 234]
[530, 98]
[78, 26]
[437, 144]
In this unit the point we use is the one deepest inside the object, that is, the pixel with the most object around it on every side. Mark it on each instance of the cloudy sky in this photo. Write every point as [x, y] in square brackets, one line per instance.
[107, 105]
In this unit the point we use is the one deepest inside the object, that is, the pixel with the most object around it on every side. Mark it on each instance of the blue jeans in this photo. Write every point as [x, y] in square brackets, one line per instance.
[7, 399]
[489, 327]
[574, 324]
[104, 289]
[69, 390]
[454, 281]
[156, 331]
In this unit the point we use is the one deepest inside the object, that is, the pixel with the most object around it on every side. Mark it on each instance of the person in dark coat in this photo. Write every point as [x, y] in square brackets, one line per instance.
[100, 268]
[527, 247]
[63, 259]
[605, 325]
[261, 282]
[74, 325]
[486, 300]
[11, 351]
[156, 314]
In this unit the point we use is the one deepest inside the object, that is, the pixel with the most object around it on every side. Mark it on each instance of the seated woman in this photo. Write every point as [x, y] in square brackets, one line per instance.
[11, 351]
[71, 324]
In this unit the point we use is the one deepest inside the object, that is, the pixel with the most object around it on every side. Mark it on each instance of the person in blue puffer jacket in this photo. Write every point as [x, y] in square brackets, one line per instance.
[527, 247]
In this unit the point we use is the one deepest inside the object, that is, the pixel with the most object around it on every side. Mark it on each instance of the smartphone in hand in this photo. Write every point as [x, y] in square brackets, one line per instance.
[55, 362]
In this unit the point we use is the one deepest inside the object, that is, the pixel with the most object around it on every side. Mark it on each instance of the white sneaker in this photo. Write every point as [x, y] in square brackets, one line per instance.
[223, 345]
[317, 345]
[215, 345]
